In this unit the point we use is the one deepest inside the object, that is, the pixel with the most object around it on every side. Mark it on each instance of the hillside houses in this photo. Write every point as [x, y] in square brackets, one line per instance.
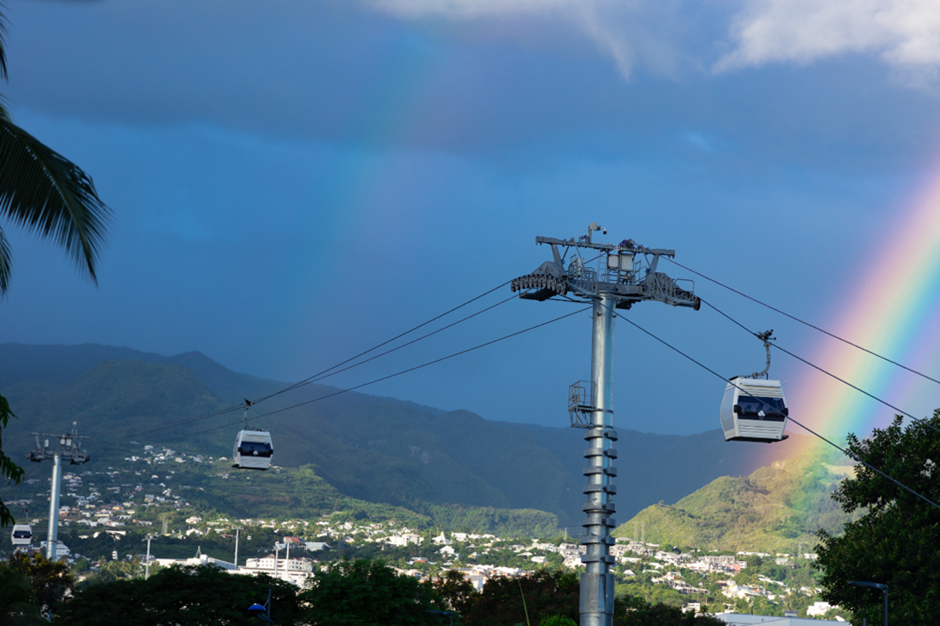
[673, 580]
[148, 493]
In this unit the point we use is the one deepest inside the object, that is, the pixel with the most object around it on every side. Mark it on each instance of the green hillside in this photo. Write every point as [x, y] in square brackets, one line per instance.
[368, 449]
[776, 509]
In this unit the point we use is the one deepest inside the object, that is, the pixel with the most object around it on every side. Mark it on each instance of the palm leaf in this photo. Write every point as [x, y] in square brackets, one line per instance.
[47, 194]
[6, 262]
[3, 32]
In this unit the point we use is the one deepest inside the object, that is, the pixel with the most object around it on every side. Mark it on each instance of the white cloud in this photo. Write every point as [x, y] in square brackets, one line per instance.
[630, 32]
[904, 33]
[659, 35]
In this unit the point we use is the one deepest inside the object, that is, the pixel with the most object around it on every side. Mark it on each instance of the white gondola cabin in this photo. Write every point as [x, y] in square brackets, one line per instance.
[22, 535]
[253, 450]
[754, 409]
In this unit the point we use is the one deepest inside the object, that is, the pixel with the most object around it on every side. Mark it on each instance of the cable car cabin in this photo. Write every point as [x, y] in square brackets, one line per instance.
[253, 450]
[754, 409]
[22, 535]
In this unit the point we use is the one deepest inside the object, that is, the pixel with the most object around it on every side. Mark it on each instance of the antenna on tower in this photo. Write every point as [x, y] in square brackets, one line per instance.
[626, 273]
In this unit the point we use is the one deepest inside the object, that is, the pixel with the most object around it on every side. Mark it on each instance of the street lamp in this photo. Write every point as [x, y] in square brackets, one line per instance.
[262, 611]
[883, 587]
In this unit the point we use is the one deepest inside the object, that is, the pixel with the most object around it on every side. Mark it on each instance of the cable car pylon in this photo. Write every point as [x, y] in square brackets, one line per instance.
[626, 274]
[69, 447]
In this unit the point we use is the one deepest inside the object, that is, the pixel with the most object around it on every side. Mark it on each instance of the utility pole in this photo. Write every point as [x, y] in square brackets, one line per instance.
[236, 548]
[626, 274]
[277, 549]
[68, 446]
[147, 573]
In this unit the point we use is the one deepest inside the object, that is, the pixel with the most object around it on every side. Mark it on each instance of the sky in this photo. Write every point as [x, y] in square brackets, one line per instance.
[294, 183]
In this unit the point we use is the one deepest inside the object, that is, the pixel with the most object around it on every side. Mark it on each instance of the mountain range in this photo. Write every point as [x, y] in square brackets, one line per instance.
[371, 448]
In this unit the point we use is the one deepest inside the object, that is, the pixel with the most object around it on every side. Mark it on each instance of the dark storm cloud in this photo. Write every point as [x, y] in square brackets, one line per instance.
[339, 73]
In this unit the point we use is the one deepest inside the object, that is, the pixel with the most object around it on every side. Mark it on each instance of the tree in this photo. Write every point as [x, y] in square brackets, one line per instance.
[365, 593]
[45, 193]
[51, 580]
[8, 469]
[456, 591]
[185, 596]
[633, 611]
[111, 571]
[17, 602]
[526, 600]
[897, 539]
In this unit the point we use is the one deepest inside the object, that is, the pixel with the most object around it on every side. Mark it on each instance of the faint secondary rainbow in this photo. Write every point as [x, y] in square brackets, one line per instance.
[894, 310]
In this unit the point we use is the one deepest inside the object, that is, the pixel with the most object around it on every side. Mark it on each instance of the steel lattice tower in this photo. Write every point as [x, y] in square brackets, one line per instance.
[627, 274]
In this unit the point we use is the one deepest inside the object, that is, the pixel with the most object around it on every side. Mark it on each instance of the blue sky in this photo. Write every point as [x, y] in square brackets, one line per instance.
[293, 183]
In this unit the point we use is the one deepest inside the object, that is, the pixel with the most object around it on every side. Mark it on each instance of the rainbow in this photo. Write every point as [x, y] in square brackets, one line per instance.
[894, 310]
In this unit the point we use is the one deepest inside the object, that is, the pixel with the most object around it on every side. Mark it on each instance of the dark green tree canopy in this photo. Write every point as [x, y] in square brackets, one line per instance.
[185, 596]
[17, 600]
[527, 599]
[366, 593]
[8, 469]
[51, 580]
[552, 597]
[456, 592]
[897, 539]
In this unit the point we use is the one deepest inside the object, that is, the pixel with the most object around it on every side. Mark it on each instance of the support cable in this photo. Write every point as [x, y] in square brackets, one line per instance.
[318, 378]
[826, 372]
[806, 428]
[129, 432]
[310, 379]
[378, 380]
[327, 373]
[805, 323]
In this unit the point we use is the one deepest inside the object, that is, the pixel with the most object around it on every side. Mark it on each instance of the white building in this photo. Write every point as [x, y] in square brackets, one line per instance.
[199, 559]
[295, 571]
[61, 549]
[404, 540]
[819, 608]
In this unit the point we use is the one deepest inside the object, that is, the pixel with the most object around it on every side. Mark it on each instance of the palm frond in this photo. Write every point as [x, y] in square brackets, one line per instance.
[3, 46]
[47, 194]
[6, 263]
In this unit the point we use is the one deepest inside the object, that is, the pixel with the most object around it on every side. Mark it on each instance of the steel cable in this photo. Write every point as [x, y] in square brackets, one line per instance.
[826, 372]
[383, 378]
[805, 323]
[806, 428]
